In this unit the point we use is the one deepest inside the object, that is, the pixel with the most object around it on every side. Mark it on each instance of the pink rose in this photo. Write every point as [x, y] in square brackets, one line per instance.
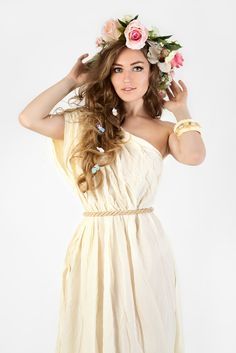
[110, 30]
[177, 60]
[136, 35]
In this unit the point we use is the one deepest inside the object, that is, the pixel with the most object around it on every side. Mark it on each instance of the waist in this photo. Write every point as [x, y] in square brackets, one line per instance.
[118, 212]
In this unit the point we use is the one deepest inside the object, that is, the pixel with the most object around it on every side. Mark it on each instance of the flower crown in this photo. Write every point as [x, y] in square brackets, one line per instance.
[135, 35]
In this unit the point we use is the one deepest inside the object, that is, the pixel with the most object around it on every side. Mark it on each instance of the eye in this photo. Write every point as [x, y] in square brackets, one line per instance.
[140, 67]
[118, 68]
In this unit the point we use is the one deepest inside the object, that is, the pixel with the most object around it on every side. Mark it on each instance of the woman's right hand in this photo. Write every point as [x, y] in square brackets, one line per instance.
[79, 71]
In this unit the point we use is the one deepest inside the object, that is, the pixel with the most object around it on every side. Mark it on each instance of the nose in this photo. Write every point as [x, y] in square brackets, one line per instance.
[126, 77]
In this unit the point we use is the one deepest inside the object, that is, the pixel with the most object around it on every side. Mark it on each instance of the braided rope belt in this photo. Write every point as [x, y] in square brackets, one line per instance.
[118, 212]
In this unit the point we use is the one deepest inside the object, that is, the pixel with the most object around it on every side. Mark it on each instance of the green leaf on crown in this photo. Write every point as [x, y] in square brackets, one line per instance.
[135, 18]
[165, 37]
[172, 46]
[122, 23]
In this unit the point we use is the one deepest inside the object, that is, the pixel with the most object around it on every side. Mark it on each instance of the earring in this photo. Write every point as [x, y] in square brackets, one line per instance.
[114, 112]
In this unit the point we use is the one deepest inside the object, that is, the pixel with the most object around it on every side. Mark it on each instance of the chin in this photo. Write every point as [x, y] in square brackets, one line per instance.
[127, 98]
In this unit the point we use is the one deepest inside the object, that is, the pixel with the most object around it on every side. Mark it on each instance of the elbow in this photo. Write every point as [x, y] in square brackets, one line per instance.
[193, 159]
[23, 121]
[198, 158]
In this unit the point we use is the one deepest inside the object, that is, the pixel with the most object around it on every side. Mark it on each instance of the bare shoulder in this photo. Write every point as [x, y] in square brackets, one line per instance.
[167, 125]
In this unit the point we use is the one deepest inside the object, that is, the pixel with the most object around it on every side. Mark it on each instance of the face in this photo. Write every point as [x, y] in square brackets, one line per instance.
[130, 70]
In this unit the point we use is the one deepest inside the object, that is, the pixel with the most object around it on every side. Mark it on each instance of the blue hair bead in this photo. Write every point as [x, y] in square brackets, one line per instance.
[95, 168]
[100, 128]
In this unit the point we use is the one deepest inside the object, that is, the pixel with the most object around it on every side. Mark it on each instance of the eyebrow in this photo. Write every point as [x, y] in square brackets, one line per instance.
[136, 62]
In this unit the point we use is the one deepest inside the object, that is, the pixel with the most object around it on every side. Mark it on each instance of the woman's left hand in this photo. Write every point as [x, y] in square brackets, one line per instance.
[177, 97]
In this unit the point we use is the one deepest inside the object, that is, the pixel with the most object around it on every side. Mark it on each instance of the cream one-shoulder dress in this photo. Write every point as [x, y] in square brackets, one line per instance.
[120, 289]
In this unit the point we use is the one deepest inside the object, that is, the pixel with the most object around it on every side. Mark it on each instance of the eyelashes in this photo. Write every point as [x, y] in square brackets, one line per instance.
[140, 67]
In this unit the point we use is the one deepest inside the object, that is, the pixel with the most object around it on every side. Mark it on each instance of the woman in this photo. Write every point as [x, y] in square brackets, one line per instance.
[120, 287]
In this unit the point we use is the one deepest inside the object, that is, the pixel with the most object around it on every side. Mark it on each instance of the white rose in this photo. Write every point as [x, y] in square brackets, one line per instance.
[164, 67]
[154, 53]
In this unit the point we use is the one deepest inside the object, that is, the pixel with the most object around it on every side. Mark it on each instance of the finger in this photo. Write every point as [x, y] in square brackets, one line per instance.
[175, 87]
[183, 85]
[81, 57]
[169, 93]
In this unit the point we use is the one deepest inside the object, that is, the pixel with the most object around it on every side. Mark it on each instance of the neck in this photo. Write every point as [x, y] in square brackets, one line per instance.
[134, 109]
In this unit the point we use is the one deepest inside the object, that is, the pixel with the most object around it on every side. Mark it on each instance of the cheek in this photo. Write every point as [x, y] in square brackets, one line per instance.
[144, 80]
[113, 80]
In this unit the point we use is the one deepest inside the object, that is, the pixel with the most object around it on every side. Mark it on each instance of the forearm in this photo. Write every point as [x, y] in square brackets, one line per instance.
[42, 105]
[190, 142]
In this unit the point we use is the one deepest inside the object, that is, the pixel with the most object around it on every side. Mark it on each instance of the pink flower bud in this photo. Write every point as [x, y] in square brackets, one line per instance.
[177, 60]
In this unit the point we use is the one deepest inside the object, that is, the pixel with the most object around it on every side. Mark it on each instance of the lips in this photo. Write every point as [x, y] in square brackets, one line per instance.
[128, 89]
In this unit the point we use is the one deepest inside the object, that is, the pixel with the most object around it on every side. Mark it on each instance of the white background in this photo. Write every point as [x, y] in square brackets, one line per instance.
[40, 42]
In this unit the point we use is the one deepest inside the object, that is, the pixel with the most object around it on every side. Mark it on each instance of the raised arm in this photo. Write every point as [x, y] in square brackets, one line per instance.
[36, 115]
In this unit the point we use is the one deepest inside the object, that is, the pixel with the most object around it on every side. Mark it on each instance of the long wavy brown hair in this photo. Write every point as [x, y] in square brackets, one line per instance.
[99, 98]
